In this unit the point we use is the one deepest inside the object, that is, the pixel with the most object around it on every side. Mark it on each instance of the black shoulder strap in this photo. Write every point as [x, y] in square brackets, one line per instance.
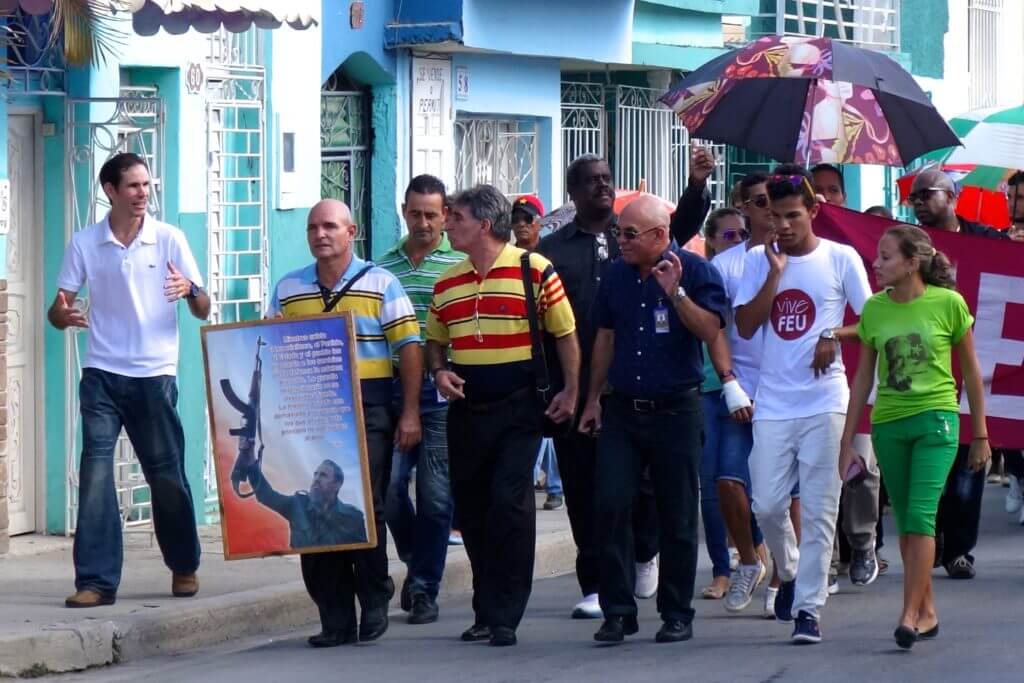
[540, 364]
[329, 305]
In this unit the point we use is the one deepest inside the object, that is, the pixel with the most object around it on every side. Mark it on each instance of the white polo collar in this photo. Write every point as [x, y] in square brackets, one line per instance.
[147, 233]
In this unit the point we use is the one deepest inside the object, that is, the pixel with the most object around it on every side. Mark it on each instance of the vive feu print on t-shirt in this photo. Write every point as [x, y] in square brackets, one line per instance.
[812, 296]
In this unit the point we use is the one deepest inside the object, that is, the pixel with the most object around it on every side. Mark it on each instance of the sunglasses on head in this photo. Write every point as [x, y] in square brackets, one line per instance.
[796, 180]
[734, 235]
[924, 194]
[630, 234]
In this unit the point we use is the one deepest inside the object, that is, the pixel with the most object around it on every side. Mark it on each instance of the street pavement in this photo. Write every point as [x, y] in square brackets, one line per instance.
[982, 638]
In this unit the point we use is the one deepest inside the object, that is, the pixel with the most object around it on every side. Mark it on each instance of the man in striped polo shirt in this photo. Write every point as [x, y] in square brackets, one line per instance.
[385, 324]
[495, 421]
[421, 531]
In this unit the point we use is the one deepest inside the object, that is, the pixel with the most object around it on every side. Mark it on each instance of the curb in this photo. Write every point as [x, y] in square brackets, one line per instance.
[214, 620]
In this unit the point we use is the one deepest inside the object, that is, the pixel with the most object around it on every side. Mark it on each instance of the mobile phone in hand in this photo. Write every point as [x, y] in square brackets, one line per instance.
[855, 473]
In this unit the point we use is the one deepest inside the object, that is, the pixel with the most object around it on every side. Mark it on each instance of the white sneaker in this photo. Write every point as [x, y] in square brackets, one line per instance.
[833, 583]
[587, 608]
[1014, 499]
[646, 579]
[745, 581]
[734, 559]
[769, 602]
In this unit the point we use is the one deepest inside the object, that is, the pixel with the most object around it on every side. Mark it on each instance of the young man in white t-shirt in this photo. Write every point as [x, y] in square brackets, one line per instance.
[795, 291]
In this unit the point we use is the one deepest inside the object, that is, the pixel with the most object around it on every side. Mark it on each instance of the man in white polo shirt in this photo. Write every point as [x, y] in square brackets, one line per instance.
[136, 269]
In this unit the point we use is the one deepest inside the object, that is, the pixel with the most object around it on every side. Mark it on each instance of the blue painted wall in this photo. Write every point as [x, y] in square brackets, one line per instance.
[340, 40]
[520, 87]
[581, 29]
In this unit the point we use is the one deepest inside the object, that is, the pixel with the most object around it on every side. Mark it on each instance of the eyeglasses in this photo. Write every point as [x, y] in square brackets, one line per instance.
[631, 234]
[734, 235]
[924, 194]
[760, 201]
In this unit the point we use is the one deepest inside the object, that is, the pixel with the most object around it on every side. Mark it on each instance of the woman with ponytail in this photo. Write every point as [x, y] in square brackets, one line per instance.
[911, 329]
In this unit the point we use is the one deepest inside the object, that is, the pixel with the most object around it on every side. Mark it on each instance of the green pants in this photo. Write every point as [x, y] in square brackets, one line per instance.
[915, 455]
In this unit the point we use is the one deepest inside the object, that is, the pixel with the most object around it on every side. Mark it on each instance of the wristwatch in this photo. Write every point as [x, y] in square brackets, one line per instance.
[829, 335]
[194, 291]
[679, 295]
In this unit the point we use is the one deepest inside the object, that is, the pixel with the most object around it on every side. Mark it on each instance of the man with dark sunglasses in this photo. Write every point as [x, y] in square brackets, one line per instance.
[933, 196]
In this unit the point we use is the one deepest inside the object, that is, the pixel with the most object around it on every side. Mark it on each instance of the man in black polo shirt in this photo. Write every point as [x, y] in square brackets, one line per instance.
[581, 252]
[933, 196]
[655, 306]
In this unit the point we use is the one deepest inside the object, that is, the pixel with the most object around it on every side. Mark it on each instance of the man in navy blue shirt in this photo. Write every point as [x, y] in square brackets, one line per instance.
[655, 306]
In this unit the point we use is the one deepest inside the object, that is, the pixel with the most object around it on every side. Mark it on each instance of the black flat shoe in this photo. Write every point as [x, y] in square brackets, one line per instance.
[332, 638]
[905, 637]
[476, 633]
[674, 631]
[373, 624]
[502, 636]
[933, 632]
[615, 629]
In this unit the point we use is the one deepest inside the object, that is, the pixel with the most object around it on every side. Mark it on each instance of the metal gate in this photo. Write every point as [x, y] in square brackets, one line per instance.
[584, 122]
[97, 129]
[345, 152]
[501, 152]
[650, 145]
[236, 210]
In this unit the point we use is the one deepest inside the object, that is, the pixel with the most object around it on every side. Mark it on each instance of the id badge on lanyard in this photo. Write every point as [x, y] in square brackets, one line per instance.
[661, 313]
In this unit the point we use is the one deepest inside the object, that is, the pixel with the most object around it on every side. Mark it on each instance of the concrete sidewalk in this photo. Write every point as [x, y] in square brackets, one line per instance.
[39, 635]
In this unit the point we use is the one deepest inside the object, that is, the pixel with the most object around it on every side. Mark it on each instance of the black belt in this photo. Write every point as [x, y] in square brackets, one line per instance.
[486, 406]
[655, 405]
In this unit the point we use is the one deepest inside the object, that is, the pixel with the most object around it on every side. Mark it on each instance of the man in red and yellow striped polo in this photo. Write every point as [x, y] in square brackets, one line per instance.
[478, 319]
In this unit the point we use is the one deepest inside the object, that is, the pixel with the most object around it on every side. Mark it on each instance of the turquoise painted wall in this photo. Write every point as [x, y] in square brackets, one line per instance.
[923, 25]
[384, 220]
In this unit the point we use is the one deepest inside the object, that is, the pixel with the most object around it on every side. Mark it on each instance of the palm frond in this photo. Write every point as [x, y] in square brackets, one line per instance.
[91, 32]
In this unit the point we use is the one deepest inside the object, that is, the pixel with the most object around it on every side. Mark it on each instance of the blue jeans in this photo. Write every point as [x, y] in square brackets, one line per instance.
[727, 445]
[547, 462]
[421, 531]
[145, 407]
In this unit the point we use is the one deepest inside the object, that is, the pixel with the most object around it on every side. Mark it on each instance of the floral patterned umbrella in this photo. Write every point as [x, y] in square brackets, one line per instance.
[811, 100]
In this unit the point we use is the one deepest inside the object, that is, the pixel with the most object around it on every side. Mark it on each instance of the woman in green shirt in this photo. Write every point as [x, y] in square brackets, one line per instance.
[910, 328]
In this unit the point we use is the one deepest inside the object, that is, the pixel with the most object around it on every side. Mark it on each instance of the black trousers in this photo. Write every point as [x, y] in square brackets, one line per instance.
[669, 442]
[334, 579]
[491, 453]
[577, 462]
[956, 526]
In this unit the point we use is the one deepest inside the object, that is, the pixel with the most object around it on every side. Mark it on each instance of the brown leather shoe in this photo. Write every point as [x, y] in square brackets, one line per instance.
[184, 585]
[89, 598]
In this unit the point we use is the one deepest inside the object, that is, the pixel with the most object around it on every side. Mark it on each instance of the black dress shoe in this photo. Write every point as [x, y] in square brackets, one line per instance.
[933, 632]
[674, 631]
[905, 637]
[332, 638]
[475, 633]
[615, 629]
[502, 636]
[424, 610]
[374, 623]
[405, 600]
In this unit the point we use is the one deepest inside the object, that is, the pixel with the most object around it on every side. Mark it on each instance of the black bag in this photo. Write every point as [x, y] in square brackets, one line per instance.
[331, 301]
[547, 385]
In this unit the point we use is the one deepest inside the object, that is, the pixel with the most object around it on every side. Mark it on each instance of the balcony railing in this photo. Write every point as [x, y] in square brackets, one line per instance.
[867, 23]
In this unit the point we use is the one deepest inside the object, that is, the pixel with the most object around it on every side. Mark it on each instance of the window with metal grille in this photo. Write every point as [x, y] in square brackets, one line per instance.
[345, 152]
[868, 23]
[499, 152]
[982, 50]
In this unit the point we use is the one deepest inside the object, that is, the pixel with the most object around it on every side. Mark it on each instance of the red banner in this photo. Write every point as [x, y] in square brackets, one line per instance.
[990, 276]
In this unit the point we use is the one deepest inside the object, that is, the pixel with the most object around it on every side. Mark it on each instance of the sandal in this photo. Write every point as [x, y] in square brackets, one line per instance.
[713, 592]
